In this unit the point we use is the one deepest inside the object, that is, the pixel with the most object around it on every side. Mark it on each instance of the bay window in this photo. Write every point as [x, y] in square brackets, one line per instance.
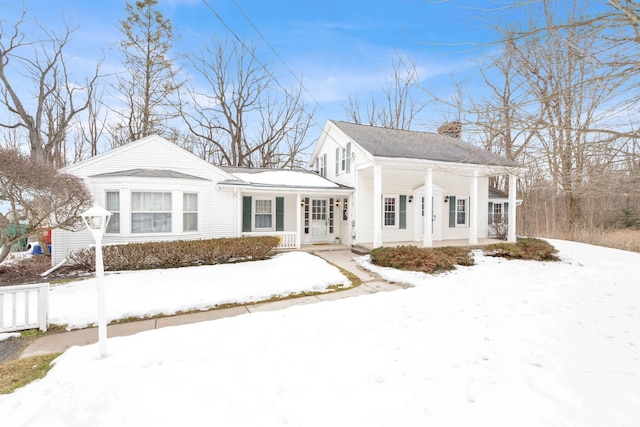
[150, 212]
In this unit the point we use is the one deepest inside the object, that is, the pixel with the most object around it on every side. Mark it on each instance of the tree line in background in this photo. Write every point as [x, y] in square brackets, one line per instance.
[151, 96]
[560, 97]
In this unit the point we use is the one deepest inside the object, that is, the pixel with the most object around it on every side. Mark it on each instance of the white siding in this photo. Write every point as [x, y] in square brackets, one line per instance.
[215, 207]
[152, 152]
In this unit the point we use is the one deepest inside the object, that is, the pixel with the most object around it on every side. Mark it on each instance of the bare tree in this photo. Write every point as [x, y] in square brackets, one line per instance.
[241, 114]
[150, 79]
[90, 128]
[56, 98]
[33, 195]
[399, 107]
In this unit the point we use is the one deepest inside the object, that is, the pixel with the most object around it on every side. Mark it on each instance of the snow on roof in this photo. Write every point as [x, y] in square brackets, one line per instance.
[285, 177]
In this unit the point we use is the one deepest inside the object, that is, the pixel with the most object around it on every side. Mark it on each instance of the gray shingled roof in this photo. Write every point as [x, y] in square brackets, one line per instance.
[150, 173]
[407, 144]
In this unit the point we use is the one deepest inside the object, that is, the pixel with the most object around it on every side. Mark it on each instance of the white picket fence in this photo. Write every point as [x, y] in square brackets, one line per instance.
[288, 239]
[24, 307]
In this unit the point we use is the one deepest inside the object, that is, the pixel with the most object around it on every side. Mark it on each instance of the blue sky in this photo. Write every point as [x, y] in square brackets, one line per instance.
[338, 48]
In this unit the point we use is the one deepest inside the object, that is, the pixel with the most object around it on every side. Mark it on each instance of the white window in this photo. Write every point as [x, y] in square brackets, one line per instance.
[461, 212]
[345, 209]
[343, 161]
[190, 212]
[150, 212]
[497, 213]
[113, 206]
[390, 211]
[322, 165]
[263, 217]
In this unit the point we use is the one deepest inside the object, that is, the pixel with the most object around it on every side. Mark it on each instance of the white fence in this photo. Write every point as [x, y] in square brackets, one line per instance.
[287, 238]
[24, 307]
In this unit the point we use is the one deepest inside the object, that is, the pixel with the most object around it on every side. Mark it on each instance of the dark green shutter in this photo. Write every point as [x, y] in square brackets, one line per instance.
[452, 211]
[490, 216]
[246, 213]
[403, 211]
[505, 214]
[279, 213]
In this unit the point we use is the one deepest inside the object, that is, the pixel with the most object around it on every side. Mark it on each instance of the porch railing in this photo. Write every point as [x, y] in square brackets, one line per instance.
[24, 307]
[287, 238]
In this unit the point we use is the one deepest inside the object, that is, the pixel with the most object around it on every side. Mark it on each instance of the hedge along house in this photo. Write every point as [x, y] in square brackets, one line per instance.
[157, 191]
[414, 186]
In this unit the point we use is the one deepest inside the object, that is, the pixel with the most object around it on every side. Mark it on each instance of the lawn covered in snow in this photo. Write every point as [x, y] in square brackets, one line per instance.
[168, 291]
[502, 343]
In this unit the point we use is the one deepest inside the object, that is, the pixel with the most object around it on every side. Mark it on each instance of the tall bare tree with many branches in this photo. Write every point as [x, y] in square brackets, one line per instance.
[240, 114]
[32, 56]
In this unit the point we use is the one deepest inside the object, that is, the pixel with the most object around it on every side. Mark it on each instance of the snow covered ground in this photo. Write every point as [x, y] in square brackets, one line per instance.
[153, 292]
[502, 343]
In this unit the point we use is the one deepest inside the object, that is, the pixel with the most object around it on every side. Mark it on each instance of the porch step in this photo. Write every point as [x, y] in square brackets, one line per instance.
[360, 250]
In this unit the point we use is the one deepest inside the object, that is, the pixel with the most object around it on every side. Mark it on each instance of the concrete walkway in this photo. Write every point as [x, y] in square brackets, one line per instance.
[59, 342]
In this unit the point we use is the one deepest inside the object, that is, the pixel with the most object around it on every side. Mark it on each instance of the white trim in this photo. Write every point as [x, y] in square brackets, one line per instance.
[377, 205]
[427, 238]
[254, 212]
[396, 212]
[511, 234]
[466, 210]
[473, 212]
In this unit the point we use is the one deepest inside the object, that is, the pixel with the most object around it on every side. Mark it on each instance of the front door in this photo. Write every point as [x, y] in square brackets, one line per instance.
[420, 214]
[433, 218]
[319, 219]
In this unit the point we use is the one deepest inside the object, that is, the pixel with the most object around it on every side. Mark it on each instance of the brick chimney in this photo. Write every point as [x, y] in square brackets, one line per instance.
[452, 129]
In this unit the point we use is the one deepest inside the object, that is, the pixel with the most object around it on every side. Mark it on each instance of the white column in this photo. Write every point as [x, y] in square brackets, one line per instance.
[511, 235]
[238, 198]
[377, 206]
[427, 241]
[298, 221]
[473, 210]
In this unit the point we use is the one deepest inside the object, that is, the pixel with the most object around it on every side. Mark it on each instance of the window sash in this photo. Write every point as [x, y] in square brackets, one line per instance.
[461, 211]
[150, 212]
[390, 210]
[497, 213]
[112, 199]
[263, 214]
[150, 222]
[190, 212]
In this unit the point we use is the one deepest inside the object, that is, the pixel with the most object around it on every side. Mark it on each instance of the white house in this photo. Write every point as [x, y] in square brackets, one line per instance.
[371, 186]
[398, 175]
[158, 191]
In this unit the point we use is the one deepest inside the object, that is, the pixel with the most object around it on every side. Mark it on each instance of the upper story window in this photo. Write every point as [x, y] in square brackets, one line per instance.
[321, 165]
[150, 212]
[343, 159]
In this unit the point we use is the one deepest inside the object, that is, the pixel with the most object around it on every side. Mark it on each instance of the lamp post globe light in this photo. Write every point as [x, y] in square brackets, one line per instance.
[96, 220]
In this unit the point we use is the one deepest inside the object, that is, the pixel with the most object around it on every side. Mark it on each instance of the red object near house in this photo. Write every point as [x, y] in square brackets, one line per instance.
[46, 233]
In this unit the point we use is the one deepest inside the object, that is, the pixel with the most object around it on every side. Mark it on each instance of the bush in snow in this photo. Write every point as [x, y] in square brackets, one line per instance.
[426, 260]
[525, 248]
[181, 253]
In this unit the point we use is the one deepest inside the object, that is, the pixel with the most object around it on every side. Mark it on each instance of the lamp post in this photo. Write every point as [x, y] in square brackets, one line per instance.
[96, 220]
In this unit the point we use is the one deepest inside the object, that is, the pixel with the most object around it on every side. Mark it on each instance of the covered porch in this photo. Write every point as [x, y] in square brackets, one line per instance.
[428, 204]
